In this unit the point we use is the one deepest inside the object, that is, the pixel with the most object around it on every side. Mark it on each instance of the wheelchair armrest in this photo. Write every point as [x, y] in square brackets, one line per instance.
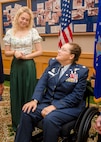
[92, 80]
[89, 90]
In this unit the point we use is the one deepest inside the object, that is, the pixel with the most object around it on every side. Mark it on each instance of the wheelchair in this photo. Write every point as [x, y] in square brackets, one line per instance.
[79, 130]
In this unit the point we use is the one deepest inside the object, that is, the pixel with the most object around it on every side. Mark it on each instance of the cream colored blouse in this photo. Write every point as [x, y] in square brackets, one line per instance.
[24, 44]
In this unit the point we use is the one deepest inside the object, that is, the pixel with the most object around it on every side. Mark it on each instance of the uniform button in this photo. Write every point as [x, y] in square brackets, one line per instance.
[51, 99]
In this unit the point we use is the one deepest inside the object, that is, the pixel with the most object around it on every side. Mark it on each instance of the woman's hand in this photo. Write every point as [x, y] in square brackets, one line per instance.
[18, 54]
[30, 106]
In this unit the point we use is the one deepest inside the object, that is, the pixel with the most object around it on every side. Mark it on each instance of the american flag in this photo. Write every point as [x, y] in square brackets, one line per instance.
[65, 33]
[97, 57]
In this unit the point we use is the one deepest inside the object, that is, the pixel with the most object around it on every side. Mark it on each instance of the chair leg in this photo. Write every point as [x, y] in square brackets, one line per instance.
[63, 140]
[37, 137]
[71, 138]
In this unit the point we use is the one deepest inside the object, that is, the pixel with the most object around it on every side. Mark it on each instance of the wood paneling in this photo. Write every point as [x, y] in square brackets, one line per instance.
[42, 62]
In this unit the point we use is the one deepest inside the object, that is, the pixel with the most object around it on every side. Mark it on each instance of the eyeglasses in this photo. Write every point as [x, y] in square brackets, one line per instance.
[64, 50]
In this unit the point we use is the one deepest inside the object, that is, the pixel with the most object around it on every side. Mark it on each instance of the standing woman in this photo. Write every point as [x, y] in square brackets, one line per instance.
[1, 76]
[19, 41]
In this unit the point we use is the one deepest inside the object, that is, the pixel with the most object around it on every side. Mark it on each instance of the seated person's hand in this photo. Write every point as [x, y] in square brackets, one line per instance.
[47, 110]
[30, 106]
[98, 124]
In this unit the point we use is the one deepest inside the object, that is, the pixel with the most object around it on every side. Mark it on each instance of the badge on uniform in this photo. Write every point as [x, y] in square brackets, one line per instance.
[52, 72]
[73, 76]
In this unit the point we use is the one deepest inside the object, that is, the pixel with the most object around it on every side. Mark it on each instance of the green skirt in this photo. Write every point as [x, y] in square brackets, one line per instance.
[22, 84]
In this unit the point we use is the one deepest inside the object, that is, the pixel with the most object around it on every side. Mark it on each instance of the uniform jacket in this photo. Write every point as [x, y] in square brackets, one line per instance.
[1, 69]
[66, 92]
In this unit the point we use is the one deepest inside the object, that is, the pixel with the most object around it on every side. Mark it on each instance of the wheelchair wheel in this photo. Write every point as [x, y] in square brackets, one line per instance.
[77, 124]
[86, 132]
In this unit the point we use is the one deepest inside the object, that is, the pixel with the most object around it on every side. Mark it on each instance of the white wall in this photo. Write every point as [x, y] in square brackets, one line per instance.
[85, 41]
[51, 43]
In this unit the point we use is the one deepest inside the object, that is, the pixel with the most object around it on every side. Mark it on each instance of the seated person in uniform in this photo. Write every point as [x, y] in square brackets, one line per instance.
[58, 97]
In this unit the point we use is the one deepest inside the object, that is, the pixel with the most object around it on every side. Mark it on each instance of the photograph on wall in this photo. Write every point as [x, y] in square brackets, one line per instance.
[47, 15]
[84, 15]
[9, 10]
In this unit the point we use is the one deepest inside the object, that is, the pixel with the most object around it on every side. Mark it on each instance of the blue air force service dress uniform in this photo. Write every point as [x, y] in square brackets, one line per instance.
[23, 72]
[65, 93]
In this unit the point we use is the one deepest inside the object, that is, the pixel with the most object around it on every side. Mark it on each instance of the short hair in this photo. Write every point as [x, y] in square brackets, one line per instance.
[19, 12]
[76, 50]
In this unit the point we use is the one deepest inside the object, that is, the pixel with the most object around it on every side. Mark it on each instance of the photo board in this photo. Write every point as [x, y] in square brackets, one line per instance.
[47, 15]
[84, 15]
[8, 11]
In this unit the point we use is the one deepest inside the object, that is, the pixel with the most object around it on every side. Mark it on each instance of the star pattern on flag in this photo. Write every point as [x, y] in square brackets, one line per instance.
[66, 14]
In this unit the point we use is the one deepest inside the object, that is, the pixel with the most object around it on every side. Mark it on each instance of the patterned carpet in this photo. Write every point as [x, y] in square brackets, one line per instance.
[6, 132]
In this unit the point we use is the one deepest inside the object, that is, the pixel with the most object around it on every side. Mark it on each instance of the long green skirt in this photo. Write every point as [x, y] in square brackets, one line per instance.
[22, 84]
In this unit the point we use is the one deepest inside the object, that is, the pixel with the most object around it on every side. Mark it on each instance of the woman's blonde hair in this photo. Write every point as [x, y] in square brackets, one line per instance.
[19, 12]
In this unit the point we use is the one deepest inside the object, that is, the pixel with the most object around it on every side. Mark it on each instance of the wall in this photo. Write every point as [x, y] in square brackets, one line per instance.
[85, 40]
[50, 48]
[42, 62]
[50, 43]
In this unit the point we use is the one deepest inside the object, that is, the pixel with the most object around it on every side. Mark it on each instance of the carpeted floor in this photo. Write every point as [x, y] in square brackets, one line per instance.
[6, 132]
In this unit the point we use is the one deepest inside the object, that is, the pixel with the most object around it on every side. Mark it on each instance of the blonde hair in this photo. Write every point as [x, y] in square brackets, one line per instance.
[19, 12]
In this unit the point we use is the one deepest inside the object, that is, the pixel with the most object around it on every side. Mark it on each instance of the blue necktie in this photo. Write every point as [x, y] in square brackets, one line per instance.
[60, 72]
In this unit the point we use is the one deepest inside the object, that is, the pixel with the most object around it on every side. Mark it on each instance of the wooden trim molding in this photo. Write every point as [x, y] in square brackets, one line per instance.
[74, 34]
[42, 62]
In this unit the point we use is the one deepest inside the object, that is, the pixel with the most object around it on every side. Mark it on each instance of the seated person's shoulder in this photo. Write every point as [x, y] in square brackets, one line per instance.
[52, 61]
[82, 67]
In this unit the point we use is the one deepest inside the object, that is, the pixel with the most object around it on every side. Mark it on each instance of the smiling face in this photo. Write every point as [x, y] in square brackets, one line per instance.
[24, 20]
[64, 54]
